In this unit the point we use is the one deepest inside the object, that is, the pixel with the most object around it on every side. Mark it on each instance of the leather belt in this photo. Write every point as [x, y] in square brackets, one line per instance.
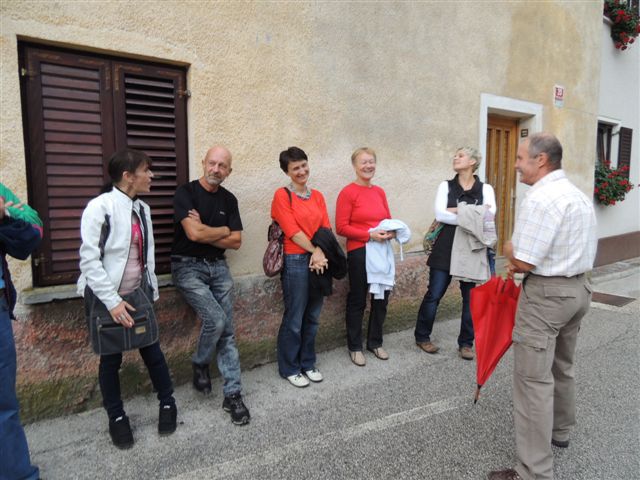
[184, 258]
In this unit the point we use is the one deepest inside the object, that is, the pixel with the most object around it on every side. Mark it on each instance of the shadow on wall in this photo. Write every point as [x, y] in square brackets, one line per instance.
[57, 370]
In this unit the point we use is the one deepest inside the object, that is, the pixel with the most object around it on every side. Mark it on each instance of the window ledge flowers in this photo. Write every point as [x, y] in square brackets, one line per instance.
[611, 185]
[625, 25]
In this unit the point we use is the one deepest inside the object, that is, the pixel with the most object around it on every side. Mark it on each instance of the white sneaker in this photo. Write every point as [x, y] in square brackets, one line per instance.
[298, 380]
[314, 375]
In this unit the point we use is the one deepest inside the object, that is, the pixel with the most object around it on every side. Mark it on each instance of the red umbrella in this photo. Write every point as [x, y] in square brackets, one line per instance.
[493, 310]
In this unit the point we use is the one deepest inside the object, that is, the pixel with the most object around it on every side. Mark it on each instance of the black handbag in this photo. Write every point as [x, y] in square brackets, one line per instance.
[107, 336]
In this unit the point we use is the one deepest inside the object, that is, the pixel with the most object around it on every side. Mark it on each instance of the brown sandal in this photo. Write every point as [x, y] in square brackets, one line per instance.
[379, 352]
[358, 358]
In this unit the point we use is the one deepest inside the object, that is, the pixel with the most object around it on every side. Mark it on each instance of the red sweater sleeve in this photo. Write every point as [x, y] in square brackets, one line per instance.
[282, 213]
[325, 214]
[344, 208]
[386, 204]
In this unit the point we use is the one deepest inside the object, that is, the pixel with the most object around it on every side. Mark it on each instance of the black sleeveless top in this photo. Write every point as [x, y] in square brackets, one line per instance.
[440, 257]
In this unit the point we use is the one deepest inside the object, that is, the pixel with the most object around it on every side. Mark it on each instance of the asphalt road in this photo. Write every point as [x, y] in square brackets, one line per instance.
[409, 417]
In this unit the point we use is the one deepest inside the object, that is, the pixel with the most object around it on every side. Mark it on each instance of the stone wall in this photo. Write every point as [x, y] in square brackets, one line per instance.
[58, 372]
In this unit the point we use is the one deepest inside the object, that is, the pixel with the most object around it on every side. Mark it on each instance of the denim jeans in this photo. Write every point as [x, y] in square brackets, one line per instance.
[300, 321]
[14, 451]
[491, 257]
[208, 287]
[357, 301]
[109, 379]
[439, 280]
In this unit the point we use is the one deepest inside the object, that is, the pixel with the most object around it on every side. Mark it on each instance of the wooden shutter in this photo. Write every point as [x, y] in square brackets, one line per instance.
[78, 110]
[624, 150]
[69, 134]
[150, 115]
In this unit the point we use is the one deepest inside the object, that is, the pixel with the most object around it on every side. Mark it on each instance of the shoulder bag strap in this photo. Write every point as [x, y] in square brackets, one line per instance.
[145, 240]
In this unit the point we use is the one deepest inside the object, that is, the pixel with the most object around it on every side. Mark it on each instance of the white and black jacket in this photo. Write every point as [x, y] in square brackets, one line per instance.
[103, 272]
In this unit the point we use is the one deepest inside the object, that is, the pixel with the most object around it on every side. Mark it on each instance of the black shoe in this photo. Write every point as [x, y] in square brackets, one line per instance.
[201, 378]
[238, 410]
[120, 432]
[167, 419]
[560, 443]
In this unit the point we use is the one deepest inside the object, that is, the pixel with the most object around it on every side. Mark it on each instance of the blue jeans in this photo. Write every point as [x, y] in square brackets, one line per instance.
[491, 257]
[14, 451]
[109, 379]
[439, 280]
[300, 321]
[208, 287]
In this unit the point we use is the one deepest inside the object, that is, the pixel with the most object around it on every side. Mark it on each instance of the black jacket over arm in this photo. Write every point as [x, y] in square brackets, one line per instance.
[323, 284]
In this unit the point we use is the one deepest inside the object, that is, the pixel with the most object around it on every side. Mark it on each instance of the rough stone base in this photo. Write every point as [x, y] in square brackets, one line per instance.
[57, 370]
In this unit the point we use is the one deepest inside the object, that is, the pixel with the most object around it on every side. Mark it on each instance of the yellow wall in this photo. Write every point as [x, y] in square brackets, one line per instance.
[403, 78]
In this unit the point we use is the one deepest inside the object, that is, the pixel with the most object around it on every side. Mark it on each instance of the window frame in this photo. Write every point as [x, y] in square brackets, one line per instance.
[113, 136]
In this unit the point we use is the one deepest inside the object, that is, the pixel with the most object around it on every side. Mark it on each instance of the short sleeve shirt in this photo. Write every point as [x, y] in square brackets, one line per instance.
[216, 209]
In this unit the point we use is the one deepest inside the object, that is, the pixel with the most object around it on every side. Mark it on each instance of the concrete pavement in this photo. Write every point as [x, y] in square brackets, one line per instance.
[411, 417]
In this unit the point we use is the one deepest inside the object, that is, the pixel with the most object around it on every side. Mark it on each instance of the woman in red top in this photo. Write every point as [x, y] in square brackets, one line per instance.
[300, 212]
[361, 206]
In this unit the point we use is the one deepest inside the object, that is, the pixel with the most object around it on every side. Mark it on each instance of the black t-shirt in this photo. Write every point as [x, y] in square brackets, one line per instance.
[216, 209]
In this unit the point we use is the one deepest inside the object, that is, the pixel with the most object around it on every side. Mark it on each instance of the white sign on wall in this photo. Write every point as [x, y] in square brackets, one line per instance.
[558, 96]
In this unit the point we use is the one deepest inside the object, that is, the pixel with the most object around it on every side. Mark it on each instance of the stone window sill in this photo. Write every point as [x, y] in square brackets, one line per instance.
[35, 296]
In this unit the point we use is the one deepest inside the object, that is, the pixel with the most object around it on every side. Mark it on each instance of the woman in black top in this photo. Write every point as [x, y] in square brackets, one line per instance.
[464, 187]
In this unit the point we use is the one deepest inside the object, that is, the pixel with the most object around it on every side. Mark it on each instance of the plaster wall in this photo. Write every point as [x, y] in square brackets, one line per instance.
[620, 102]
[404, 78]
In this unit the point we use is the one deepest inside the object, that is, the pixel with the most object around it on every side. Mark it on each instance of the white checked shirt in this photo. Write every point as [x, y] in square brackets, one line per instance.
[556, 228]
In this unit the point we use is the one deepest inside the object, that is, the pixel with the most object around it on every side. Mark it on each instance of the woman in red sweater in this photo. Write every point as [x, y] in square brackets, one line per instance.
[300, 212]
[361, 206]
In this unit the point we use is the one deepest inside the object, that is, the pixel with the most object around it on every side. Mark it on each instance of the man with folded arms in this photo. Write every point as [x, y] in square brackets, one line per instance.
[207, 222]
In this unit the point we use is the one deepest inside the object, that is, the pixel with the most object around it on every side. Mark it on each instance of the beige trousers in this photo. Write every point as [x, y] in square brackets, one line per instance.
[546, 329]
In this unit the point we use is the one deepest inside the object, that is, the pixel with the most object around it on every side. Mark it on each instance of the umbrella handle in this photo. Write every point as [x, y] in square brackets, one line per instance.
[477, 394]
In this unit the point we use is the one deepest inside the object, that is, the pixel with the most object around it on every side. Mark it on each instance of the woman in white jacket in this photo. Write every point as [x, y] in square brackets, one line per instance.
[114, 266]
[464, 187]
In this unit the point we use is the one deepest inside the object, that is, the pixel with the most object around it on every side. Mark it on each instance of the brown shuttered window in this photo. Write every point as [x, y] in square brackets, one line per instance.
[78, 110]
[624, 150]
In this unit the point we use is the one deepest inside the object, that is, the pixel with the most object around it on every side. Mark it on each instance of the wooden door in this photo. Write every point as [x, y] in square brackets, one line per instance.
[502, 144]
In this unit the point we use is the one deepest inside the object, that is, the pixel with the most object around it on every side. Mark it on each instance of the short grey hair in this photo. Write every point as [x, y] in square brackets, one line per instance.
[544, 142]
[473, 154]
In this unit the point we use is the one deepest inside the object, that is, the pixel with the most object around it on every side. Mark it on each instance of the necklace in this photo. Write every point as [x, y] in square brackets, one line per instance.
[304, 195]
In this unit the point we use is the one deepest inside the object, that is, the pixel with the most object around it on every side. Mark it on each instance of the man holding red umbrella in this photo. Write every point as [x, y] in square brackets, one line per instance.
[553, 244]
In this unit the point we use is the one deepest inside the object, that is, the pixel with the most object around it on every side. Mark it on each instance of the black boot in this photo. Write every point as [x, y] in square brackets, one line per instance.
[201, 378]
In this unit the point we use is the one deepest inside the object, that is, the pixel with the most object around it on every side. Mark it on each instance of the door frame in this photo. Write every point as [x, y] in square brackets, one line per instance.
[504, 177]
[529, 117]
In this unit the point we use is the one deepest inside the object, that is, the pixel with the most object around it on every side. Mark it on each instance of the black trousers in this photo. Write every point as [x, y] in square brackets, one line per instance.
[357, 301]
[108, 375]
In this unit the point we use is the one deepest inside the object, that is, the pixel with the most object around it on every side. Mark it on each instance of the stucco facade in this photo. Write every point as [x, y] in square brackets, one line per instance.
[405, 78]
